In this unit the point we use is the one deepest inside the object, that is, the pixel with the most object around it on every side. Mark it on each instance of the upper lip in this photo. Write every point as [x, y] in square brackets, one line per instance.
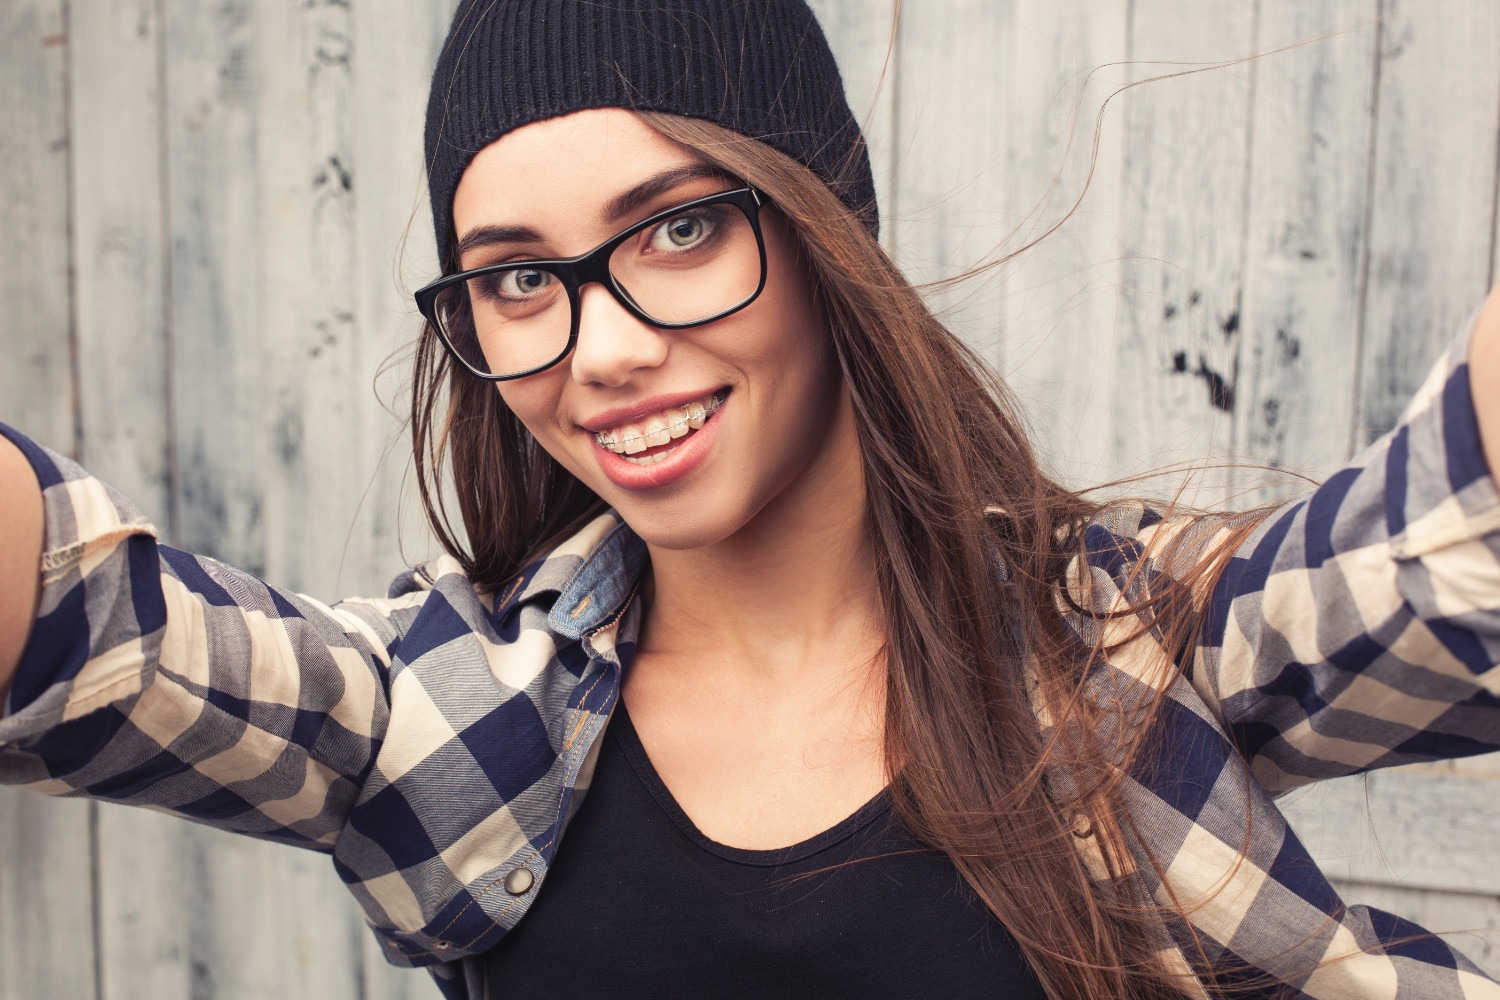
[617, 415]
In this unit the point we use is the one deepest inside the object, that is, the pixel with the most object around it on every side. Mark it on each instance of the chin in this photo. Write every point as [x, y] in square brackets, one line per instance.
[664, 528]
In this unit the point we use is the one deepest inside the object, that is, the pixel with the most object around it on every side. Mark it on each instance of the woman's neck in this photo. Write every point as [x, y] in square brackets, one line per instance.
[758, 687]
[792, 593]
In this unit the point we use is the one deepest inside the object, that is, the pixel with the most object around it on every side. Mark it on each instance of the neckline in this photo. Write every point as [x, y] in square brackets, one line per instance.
[623, 731]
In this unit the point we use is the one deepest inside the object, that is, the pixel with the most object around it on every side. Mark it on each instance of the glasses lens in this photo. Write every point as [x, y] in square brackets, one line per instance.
[506, 322]
[692, 266]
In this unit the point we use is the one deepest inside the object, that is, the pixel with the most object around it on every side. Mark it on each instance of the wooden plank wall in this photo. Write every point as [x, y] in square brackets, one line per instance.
[211, 216]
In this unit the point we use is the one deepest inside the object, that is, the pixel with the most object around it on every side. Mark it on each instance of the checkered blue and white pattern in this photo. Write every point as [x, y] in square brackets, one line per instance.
[437, 741]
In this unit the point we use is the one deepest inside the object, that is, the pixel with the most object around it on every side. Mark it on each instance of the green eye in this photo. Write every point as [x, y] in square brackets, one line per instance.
[683, 232]
[523, 283]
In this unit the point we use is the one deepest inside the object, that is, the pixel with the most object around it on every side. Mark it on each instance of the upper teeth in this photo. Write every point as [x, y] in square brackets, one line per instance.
[659, 428]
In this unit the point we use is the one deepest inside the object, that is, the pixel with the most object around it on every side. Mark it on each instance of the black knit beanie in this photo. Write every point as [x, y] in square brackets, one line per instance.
[759, 67]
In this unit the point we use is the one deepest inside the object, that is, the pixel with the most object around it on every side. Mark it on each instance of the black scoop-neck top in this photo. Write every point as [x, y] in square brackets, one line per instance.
[639, 903]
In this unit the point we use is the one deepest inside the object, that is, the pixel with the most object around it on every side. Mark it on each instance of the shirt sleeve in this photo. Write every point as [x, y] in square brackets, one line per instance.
[154, 677]
[1359, 627]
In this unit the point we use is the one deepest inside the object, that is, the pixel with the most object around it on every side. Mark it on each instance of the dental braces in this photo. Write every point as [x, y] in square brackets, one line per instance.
[678, 423]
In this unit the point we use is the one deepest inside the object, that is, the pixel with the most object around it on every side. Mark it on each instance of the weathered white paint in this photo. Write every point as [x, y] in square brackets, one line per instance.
[47, 946]
[35, 221]
[1060, 298]
[184, 912]
[1309, 177]
[863, 40]
[160, 881]
[1432, 194]
[943, 212]
[1425, 827]
[237, 189]
[395, 47]
[1182, 258]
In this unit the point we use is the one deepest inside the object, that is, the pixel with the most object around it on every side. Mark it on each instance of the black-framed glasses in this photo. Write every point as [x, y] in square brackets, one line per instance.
[680, 268]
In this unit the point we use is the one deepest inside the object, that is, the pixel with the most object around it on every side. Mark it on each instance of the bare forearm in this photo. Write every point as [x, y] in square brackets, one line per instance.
[1484, 380]
[20, 557]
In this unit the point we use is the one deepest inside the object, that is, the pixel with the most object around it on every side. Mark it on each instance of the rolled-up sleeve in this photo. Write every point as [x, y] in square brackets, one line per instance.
[159, 678]
[1359, 627]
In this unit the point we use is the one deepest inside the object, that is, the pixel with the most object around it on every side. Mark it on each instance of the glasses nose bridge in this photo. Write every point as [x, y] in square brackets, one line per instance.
[594, 265]
[593, 268]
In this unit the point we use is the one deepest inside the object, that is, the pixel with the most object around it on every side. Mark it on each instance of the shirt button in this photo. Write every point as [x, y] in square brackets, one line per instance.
[1083, 827]
[519, 882]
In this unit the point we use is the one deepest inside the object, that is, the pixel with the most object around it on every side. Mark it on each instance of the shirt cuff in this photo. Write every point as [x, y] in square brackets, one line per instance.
[100, 597]
[1437, 459]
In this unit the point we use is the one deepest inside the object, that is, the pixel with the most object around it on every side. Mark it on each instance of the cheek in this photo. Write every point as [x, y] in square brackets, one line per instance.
[534, 401]
[801, 348]
[789, 290]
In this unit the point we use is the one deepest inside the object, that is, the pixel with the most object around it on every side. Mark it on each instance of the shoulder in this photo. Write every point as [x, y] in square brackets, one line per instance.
[564, 591]
[1132, 552]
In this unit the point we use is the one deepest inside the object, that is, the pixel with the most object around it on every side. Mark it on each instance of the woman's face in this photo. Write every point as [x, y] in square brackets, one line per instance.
[780, 436]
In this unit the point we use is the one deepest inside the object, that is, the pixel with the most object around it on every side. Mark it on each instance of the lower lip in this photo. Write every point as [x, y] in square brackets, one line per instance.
[680, 462]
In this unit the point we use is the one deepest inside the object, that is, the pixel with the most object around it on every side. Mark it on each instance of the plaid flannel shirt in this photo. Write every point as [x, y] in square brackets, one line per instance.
[437, 742]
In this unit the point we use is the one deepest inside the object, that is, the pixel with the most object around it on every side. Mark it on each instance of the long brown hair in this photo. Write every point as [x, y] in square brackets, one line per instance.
[973, 541]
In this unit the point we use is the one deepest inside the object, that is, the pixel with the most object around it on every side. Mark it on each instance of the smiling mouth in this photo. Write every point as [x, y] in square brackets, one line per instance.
[648, 441]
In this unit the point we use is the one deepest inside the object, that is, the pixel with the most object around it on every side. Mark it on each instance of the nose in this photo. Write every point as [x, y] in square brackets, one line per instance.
[612, 344]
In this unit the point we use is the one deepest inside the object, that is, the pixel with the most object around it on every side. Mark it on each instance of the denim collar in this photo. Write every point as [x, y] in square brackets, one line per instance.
[597, 591]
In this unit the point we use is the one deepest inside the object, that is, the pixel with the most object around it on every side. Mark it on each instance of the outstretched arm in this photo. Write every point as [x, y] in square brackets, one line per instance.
[1360, 626]
[20, 557]
[1484, 378]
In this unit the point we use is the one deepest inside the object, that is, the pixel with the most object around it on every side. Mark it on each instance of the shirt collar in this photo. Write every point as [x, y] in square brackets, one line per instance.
[592, 574]
[596, 592]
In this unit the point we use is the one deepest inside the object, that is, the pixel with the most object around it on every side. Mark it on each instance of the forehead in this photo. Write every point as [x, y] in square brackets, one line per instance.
[561, 171]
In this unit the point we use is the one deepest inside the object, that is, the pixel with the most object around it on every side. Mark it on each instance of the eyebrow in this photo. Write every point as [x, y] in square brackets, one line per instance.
[616, 209]
[624, 204]
[484, 236]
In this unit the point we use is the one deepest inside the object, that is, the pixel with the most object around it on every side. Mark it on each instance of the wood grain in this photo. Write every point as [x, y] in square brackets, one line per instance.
[47, 943]
[36, 382]
[946, 213]
[396, 47]
[156, 875]
[1061, 296]
[1307, 222]
[1418, 827]
[122, 284]
[1176, 353]
[120, 276]
[863, 39]
[1432, 195]
[308, 187]
[213, 216]
[47, 947]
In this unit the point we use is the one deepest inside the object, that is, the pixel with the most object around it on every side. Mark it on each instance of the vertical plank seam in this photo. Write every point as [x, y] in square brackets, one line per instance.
[168, 327]
[1128, 119]
[96, 917]
[75, 382]
[1362, 268]
[75, 393]
[355, 926]
[1491, 274]
[357, 956]
[1237, 419]
[893, 166]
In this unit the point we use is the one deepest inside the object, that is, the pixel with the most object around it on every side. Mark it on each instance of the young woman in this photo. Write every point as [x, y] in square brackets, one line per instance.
[888, 712]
